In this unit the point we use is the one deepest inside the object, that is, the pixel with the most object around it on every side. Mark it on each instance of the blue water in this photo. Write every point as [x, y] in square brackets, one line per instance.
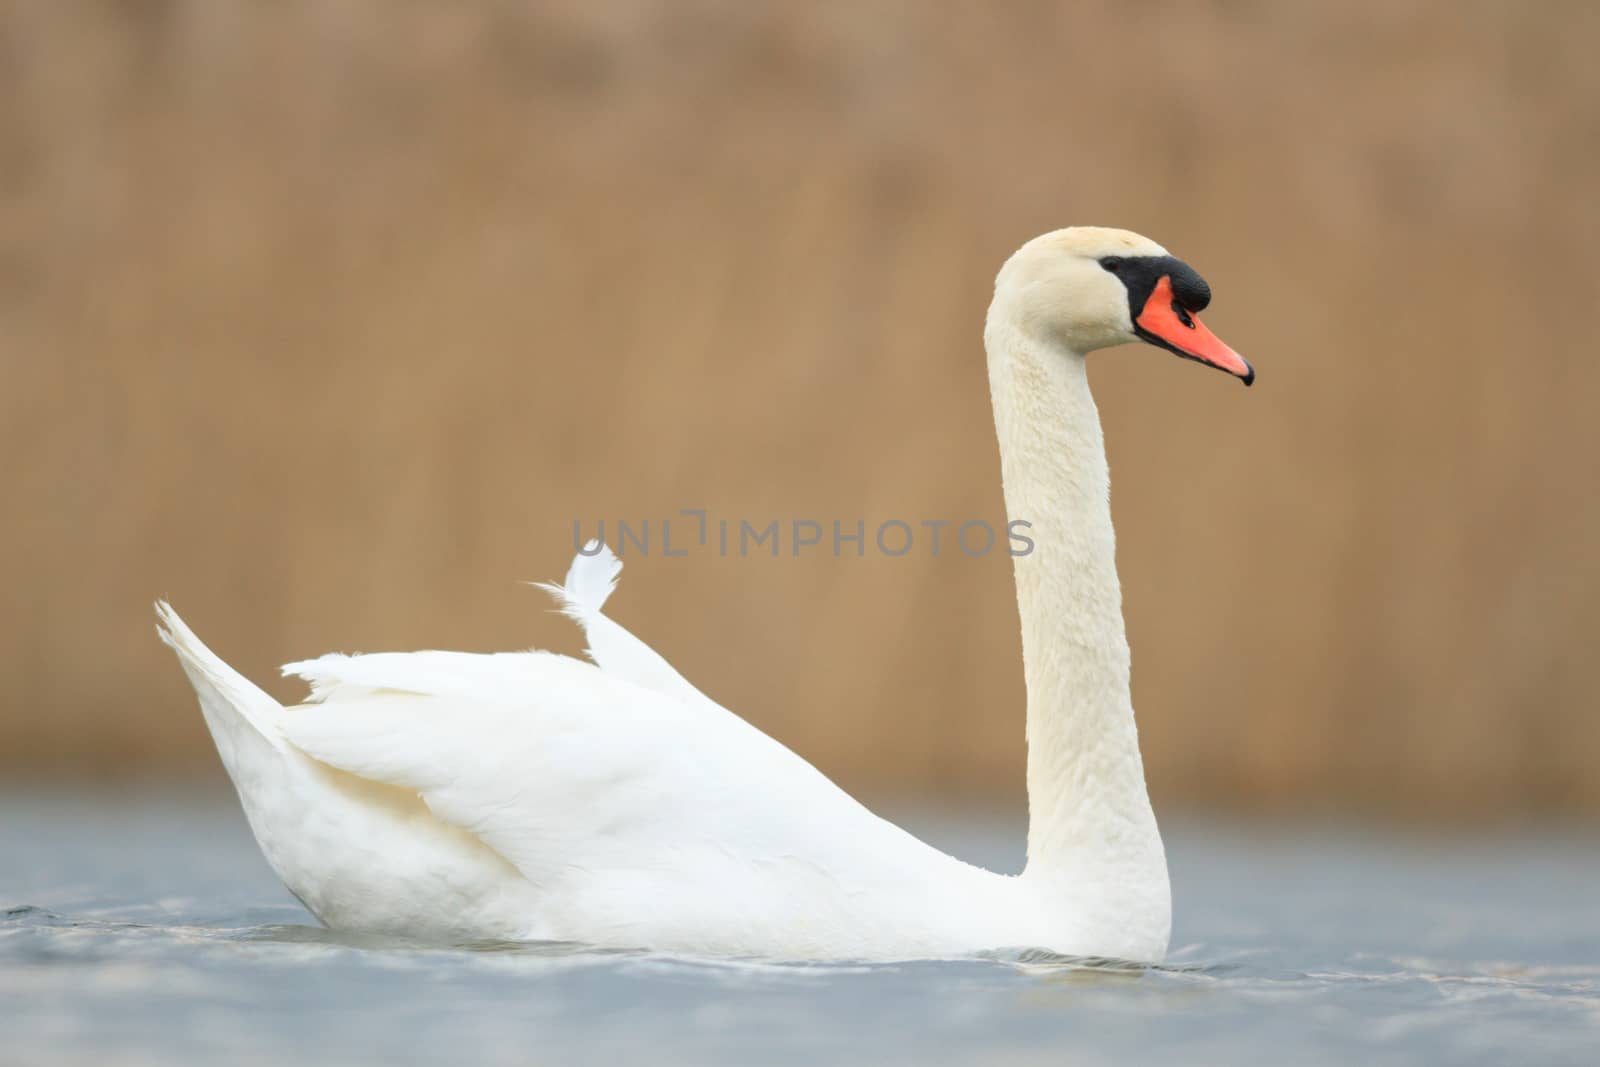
[144, 928]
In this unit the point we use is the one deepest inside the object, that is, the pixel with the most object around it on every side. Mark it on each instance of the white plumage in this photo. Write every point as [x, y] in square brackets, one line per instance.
[534, 796]
[563, 801]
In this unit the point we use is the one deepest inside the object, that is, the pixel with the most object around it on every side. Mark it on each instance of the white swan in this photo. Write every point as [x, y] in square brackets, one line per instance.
[534, 796]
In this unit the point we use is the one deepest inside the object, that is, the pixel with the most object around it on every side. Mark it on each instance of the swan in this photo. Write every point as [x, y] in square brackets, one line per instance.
[532, 796]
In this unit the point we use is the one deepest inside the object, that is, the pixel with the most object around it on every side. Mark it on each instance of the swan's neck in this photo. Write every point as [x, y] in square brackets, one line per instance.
[1090, 821]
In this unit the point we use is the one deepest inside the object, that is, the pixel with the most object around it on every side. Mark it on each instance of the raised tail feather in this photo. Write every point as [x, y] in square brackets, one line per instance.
[238, 711]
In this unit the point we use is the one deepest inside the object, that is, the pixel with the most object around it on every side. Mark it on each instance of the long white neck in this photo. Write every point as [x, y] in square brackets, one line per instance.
[1091, 831]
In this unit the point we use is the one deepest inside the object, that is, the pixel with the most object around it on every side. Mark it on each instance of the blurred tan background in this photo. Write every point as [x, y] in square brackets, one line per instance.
[327, 319]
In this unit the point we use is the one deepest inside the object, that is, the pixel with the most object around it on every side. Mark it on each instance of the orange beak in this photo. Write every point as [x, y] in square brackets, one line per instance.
[1164, 322]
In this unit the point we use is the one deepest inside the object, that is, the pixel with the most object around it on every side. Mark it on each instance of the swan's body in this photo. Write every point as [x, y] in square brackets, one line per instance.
[534, 796]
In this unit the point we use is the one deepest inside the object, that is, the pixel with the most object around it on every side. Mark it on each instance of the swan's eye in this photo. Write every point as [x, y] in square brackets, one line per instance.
[1112, 263]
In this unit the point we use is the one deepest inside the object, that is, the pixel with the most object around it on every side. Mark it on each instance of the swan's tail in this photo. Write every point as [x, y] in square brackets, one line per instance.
[240, 714]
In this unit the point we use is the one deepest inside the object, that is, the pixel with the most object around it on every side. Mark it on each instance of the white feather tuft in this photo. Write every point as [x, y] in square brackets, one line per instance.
[590, 582]
[323, 674]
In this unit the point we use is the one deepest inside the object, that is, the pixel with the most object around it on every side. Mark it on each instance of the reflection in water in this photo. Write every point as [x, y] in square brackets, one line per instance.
[150, 930]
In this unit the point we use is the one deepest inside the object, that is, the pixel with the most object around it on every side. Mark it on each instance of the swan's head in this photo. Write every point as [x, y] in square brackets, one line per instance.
[1087, 287]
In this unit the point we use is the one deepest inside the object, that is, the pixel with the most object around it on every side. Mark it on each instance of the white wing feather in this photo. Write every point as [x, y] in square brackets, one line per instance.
[546, 757]
[630, 812]
[590, 581]
[612, 803]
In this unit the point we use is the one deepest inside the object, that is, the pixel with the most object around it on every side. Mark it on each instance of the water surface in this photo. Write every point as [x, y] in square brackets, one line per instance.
[145, 928]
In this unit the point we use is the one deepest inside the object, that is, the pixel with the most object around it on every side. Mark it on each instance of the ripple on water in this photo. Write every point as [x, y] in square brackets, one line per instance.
[155, 934]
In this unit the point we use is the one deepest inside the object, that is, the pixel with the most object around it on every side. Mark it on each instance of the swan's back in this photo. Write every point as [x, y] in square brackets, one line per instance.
[532, 795]
[630, 812]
